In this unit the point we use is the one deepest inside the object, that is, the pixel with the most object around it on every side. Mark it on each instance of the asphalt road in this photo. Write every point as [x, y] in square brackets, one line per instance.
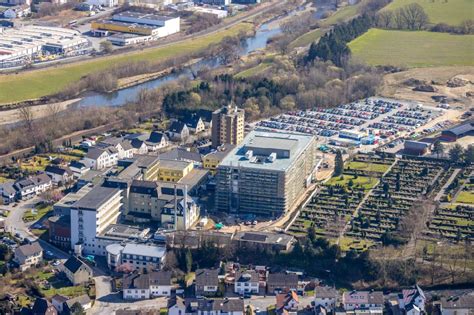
[15, 225]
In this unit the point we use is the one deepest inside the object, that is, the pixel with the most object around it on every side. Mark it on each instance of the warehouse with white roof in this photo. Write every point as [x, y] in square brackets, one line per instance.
[31, 43]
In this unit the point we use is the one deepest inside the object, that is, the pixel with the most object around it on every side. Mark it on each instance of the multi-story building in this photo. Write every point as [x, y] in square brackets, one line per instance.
[28, 255]
[158, 201]
[91, 215]
[363, 300]
[173, 171]
[211, 160]
[228, 125]
[144, 286]
[207, 282]
[142, 256]
[266, 174]
[246, 282]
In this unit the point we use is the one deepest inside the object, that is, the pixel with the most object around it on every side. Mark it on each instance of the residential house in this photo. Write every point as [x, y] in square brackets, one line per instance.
[77, 271]
[207, 282]
[179, 306]
[98, 158]
[78, 168]
[32, 186]
[287, 303]
[246, 282]
[325, 297]
[8, 193]
[412, 301]
[178, 131]
[144, 286]
[363, 300]
[58, 302]
[457, 305]
[28, 255]
[195, 124]
[277, 282]
[123, 146]
[139, 146]
[59, 175]
[43, 307]
[206, 117]
[84, 300]
[220, 307]
[156, 141]
[17, 11]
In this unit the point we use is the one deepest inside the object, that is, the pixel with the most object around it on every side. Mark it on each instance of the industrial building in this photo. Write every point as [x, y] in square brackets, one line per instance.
[228, 126]
[34, 43]
[267, 174]
[459, 131]
[144, 24]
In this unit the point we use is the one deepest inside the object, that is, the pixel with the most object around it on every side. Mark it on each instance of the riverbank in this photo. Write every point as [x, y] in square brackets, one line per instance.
[35, 84]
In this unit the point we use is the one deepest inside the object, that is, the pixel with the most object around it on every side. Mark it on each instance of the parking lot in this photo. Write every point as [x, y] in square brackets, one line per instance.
[378, 116]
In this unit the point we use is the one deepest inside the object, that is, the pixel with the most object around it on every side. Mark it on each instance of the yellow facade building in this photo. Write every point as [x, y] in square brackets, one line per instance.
[173, 171]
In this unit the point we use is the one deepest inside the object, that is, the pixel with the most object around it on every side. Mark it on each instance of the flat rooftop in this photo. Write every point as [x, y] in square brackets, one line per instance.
[144, 250]
[72, 197]
[140, 15]
[173, 164]
[288, 147]
[195, 177]
[122, 232]
[96, 197]
[129, 24]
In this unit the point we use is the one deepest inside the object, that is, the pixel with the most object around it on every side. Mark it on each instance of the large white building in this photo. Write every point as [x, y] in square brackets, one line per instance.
[30, 43]
[93, 214]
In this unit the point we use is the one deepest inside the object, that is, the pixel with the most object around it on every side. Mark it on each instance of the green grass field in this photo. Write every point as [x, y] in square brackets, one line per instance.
[413, 49]
[465, 197]
[43, 82]
[372, 167]
[363, 181]
[451, 12]
[307, 38]
[342, 15]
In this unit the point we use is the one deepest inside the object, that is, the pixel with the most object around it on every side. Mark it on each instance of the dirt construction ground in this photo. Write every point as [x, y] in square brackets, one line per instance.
[437, 77]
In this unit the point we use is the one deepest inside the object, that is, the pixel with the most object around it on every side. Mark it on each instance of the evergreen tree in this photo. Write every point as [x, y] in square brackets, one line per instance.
[456, 153]
[338, 164]
[189, 260]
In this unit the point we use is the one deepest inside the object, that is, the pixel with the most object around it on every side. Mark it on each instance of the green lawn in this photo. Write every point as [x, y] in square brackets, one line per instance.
[34, 164]
[413, 49]
[451, 12]
[348, 243]
[465, 197]
[40, 212]
[38, 83]
[363, 181]
[307, 38]
[372, 167]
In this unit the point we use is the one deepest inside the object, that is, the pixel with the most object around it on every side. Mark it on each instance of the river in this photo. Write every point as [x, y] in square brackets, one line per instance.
[259, 41]
[123, 96]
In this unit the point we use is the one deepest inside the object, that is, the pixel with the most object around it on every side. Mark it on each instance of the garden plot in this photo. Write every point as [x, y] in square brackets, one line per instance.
[453, 223]
[391, 200]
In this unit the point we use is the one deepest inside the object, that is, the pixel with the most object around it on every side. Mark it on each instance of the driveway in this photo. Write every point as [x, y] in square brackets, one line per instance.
[14, 224]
